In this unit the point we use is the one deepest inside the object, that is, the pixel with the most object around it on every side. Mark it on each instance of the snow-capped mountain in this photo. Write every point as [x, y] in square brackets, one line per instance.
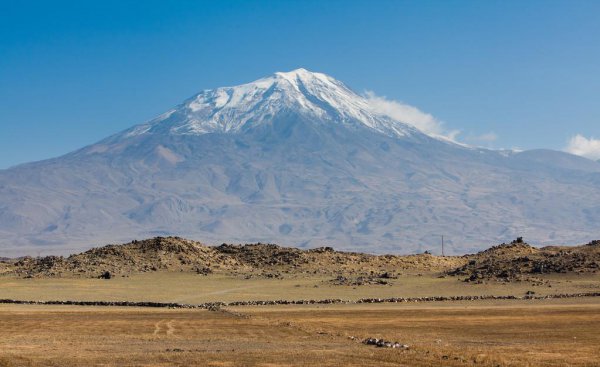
[299, 159]
[237, 109]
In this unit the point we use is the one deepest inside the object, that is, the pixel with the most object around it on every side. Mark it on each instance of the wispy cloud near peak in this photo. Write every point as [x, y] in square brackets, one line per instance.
[410, 115]
[585, 147]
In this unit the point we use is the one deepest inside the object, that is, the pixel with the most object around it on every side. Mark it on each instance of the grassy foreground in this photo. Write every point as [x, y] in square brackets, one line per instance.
[507, 333]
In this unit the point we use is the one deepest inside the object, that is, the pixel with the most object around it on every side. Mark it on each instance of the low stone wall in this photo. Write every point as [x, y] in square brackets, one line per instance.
[101, 303]
[218, 305]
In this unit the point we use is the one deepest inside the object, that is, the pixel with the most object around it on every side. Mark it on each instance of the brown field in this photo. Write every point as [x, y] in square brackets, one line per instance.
[499, 333]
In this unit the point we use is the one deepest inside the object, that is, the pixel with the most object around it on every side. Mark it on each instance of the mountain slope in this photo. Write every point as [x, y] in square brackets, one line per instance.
[298, 159]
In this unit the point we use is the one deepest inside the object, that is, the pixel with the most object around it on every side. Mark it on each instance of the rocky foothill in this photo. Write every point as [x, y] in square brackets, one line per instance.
[176, 254]
[518, 261]
[156, 254]
[514, 261]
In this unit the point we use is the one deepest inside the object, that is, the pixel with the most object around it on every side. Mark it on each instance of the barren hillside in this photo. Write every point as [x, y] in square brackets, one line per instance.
[506, 262]
[176, 254]
[518, 261]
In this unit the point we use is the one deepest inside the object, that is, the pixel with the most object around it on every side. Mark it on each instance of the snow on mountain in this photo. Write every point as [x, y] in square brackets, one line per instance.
[235, 109]
[298, 159]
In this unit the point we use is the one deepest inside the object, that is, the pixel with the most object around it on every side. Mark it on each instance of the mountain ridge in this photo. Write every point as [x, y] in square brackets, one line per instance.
[297, 177]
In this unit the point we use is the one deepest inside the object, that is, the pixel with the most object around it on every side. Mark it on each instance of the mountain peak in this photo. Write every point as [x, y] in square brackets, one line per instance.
[296, 72]
[316, 96]
[303, 75]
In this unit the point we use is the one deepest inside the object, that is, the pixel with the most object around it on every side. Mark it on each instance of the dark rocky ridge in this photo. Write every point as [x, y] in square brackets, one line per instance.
[519, 261]
[506, 262]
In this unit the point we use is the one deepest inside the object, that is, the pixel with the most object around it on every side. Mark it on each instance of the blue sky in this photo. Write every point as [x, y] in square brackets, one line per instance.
[506, 74]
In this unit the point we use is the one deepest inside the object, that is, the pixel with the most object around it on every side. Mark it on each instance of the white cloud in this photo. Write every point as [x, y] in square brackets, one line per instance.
[410, 115]
[580, 145]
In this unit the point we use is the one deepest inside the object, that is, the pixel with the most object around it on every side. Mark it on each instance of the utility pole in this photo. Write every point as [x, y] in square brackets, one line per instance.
[442, 245]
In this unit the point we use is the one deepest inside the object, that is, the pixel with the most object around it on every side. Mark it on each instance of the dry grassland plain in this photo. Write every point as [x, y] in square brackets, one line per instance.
[508, 333]
[556, 332]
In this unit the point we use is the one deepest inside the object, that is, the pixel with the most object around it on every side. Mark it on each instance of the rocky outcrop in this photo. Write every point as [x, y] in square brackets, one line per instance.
[250, 260]
[519, 261]
[506, 262]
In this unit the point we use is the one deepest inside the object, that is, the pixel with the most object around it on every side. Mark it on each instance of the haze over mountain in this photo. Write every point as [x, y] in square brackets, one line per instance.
[298, 159]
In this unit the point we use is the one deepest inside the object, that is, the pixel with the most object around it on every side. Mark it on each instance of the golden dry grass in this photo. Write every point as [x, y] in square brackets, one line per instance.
[494, 333]
[84, 337]
[193, 288]
[540, 333]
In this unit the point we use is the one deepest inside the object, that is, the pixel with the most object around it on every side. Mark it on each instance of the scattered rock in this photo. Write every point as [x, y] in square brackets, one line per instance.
[381, 343]
[203, 270]
[372, 279]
